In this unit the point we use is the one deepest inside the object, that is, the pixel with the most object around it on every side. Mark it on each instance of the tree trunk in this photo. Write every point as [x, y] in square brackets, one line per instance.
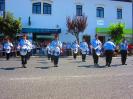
[77, 37]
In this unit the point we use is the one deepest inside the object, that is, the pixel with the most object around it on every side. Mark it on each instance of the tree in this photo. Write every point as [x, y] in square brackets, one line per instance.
[10, 26]
[116, 32]
[76, 25]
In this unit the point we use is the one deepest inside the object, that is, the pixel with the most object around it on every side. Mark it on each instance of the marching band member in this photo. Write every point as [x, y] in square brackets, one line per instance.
[109, 48]
[53, 45]
[52, 52]
[96, 48]
[84, 49]
[29, 46]
[57, 52]
[24, 47]
[48, 51]
[123, 51]
[75, 48]
[8, 46]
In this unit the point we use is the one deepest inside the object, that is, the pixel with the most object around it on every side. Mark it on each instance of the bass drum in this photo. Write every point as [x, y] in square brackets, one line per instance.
[98, 52]
[23, 51]
[75, 51]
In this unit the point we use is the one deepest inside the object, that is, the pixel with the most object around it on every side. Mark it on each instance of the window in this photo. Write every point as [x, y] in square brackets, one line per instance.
[100, 12]
[46, 8]
[119, 13]
[79, 10]
[36, 8]
[2, 5]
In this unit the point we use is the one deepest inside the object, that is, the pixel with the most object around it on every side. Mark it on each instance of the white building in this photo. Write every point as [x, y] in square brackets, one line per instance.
[2, 7]
[43, 18]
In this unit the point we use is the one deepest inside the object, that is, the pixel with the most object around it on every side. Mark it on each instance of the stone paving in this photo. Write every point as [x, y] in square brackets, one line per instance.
[73, 79]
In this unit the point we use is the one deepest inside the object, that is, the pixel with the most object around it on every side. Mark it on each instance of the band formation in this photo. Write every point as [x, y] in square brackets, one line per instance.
[54, 50]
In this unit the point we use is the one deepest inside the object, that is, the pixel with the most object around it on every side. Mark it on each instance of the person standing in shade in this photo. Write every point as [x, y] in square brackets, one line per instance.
[123, 51]
[75, 48]
[53, 47]
[109, 48]
[8, 47]
[84, 49]
[96, 47]
[23, 46]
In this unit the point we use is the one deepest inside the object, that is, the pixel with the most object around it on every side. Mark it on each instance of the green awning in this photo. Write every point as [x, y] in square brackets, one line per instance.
[102, 30]
[106, 30]
[45, 37]
[128, 31]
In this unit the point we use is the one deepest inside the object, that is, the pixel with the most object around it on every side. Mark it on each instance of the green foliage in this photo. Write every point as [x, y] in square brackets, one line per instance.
[117, 32]
[10, 26]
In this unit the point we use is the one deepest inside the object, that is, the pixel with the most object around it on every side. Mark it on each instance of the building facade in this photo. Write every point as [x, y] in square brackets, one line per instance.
[2, 7]
[41, 19]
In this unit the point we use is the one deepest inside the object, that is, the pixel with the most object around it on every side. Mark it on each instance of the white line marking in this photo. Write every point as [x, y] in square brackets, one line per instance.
[66, 77]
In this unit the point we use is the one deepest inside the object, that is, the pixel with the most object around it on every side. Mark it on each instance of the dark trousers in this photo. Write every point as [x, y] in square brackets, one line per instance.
[109, 55]
[95, 57]
[83, 57]
[28, 55]
[74, 55]
[52, 58]
[68, 52]
[123, 56]
[24, 59]
[56, 59]
[7, 56]
[49, 56]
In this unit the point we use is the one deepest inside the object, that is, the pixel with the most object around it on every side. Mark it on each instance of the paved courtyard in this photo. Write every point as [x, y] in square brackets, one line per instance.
[73, 79]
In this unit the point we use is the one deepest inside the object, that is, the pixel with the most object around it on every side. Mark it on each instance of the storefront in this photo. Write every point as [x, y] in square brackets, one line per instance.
[103, 34]
[40, 35]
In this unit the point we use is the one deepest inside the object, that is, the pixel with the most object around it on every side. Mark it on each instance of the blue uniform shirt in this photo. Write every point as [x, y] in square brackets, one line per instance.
[84, 48]
[124, 46]
[96, 43]
[109, 45]
[75, 46]
[83, 45]
[56, 43]
[23, 42]
[8, 45]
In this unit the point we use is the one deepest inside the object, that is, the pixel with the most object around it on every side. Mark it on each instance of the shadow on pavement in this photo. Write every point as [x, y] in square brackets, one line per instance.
[69, 59]
[116, 65]
[43, 67]
[75, 61]
[10, 60]
[92, 66]
[43, 62]
[10, 68]
[100, 66]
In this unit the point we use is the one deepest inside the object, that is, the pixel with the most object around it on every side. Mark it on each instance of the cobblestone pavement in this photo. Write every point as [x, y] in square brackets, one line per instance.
[73, 79]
